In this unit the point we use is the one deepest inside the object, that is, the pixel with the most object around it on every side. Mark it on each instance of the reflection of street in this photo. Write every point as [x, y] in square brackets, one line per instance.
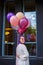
[33, 50]
[28, 37]
[32, 17]
[31, 37]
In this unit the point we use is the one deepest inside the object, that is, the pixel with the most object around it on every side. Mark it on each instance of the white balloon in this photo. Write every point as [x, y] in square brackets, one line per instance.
[16, 28]
[20, 15]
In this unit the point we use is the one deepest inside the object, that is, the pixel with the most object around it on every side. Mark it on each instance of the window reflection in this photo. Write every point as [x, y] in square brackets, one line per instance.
[8, 49]
[9, 36]
[32, 49]
[31, 33]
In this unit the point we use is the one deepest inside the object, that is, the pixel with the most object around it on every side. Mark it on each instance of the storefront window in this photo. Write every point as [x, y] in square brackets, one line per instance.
[31, 33]
[9, 34]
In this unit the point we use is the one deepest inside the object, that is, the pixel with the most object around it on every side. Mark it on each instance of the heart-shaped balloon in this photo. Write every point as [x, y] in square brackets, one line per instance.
[23, 22]
[14, 21]
[21, 31]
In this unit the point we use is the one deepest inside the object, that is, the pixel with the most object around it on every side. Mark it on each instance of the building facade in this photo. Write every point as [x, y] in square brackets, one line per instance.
[8, 36]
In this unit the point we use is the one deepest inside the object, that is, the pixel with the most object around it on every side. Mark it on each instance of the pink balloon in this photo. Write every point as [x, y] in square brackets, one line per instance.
[14, 21]
[28, 24]
[23, 22]
[21, 31]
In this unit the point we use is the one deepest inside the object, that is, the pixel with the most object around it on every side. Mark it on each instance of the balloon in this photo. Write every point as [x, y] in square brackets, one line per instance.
[21, 31]
[20, 15]
[23, 22]
[14, 21]
[28, 24]
[9, 15]
[16, 28]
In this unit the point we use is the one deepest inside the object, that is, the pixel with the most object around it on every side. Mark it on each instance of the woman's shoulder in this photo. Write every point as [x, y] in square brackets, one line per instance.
[20, 45]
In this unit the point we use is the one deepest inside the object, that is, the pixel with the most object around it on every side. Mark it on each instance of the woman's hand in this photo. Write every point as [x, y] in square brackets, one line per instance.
[18, 55]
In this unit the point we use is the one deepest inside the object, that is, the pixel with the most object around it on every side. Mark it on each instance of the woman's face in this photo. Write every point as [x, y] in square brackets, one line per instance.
[22, 39]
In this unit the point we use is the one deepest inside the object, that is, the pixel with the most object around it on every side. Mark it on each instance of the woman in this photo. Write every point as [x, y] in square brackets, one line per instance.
[22, 55]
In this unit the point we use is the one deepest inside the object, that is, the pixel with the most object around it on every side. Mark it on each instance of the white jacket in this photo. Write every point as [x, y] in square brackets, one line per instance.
[24, 55]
